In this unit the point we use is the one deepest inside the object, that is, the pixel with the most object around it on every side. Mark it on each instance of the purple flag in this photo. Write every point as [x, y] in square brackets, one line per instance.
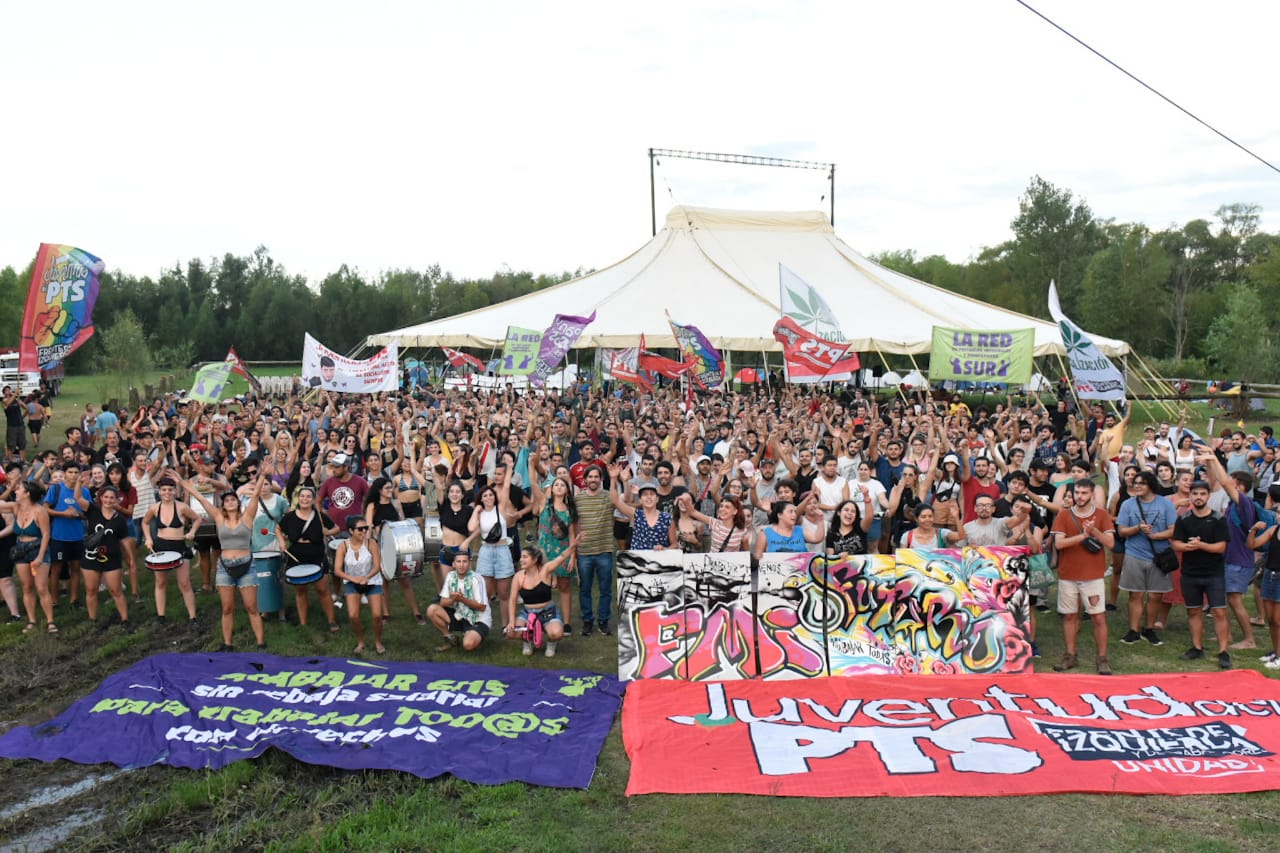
[556, 341]
[485, 724]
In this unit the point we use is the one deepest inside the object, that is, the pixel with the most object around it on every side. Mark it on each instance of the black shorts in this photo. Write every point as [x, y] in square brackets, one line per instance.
[621, 530]
[63, 551]
[35, 426]
[1197, 588]
[462, 626]
[412, 509]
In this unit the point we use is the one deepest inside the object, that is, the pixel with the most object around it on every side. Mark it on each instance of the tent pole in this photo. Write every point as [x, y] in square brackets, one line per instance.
[653, 204]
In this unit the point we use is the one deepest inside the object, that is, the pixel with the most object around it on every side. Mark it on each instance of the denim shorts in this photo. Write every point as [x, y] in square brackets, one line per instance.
[223, 578]
[1271, 584]
[1239, 578]
[495, 562]
[348, 588]
[547, 613]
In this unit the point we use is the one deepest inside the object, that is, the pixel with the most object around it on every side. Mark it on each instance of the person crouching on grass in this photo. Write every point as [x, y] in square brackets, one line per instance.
[532, 591]
[463, 607]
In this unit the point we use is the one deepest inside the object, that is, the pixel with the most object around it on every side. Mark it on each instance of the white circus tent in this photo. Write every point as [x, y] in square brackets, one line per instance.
[718, 269]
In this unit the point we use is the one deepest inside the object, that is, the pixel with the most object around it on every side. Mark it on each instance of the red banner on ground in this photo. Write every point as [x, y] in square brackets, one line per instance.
[971, 735]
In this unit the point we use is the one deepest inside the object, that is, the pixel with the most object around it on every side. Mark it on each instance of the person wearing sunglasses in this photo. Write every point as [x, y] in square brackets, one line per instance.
[358, 565]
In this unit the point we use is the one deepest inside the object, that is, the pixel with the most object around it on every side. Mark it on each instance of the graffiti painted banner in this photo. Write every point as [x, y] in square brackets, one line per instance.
[486, 724]
[1180, 733]
[701, 617]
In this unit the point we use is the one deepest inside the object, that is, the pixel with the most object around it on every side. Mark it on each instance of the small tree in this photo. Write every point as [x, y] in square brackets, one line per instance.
[1239, 341]
[126, 358]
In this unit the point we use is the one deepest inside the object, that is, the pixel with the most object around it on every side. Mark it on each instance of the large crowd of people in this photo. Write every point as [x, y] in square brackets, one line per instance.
[521, 493]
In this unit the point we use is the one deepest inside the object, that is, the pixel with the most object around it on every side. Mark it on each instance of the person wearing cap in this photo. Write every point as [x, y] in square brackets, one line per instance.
[651, 528]
[208, 483]
[342, 494]
[1201, 537]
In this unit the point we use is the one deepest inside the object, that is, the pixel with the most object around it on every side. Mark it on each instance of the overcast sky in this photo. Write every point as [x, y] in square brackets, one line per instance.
[482, 135]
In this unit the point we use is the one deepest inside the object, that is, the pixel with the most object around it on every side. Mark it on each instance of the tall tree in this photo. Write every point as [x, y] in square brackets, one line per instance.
[1055, 236]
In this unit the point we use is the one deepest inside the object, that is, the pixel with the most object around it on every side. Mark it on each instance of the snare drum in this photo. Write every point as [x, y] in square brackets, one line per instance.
[164, 561]
[402, 549]
[303, 574]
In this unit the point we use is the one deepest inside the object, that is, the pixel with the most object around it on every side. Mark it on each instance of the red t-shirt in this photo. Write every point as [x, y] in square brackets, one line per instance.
[971, 490]
[1077, 564]
[578, 472]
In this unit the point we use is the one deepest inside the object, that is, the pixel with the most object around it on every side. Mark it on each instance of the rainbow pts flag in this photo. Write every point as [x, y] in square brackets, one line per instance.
[59, 314]
[706, 365]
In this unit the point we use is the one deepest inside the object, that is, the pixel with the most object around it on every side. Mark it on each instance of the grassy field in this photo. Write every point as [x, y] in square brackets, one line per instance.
[279, 803]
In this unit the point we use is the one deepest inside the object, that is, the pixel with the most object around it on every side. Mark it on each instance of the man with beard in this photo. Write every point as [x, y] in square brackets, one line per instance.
[668, 492]
[1079, 531]
[595, 552]
[342, 494]
[1201, 537]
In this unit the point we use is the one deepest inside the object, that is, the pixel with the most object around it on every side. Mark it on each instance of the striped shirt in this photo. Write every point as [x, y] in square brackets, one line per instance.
[595, 520]
[146, 494]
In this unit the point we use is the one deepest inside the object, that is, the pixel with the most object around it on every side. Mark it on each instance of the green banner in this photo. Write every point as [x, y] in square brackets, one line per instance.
[964, 355]
[520, 353]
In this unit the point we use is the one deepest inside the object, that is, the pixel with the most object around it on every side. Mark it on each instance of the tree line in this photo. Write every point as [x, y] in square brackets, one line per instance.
[192, 312]
[1192, 297]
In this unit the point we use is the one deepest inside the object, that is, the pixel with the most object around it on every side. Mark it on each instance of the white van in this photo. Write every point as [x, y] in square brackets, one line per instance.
[24, 382]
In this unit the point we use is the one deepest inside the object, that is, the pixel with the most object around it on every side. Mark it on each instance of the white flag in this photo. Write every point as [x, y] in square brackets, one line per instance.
[1092, 373]
[799, 301]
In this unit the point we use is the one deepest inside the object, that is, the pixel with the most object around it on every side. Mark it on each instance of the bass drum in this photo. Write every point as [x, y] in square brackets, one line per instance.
[402, 549]
[432, 538]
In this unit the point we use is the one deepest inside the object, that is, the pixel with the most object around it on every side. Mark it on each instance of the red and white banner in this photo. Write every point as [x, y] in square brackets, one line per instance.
[966, 735]
[324, 368]
[457, 358]
[808, 357]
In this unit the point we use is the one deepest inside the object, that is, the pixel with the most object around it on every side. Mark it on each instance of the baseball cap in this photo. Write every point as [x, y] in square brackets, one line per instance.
[340, 459]
[703, 458]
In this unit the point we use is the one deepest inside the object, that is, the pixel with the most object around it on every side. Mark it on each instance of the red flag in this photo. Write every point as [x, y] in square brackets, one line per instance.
[810, 358]
[662, 366]
[239, 368]
[459, 359]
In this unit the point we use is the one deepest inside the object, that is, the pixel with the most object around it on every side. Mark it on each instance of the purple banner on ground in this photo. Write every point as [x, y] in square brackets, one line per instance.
[485, 724]
[563, 332]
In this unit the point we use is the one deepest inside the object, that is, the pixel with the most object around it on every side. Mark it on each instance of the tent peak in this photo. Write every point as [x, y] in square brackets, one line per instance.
[688, 218]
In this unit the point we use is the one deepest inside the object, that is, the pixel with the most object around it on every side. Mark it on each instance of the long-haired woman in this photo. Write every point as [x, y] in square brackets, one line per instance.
[235, 560]
[31, 547]
[557, 516]
[164, 528]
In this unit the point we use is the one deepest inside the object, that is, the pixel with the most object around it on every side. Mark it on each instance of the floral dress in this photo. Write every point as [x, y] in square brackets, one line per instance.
[553, 546]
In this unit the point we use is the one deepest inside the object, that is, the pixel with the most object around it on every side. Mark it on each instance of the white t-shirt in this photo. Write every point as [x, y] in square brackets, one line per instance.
[877, 490]
[830, 493]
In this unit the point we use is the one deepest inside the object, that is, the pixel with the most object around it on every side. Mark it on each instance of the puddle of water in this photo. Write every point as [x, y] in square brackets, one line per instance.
[51, 837]
[55, 794]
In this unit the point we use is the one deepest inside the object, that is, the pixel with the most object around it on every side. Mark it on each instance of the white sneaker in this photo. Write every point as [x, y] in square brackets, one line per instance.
[1274, 663]
[551, 650]
[1268, 657]
[526, 649]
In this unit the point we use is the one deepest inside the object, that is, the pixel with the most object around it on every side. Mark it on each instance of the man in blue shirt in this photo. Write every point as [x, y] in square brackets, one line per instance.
[1241, 516]
[67, 502]
[1146, 522]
